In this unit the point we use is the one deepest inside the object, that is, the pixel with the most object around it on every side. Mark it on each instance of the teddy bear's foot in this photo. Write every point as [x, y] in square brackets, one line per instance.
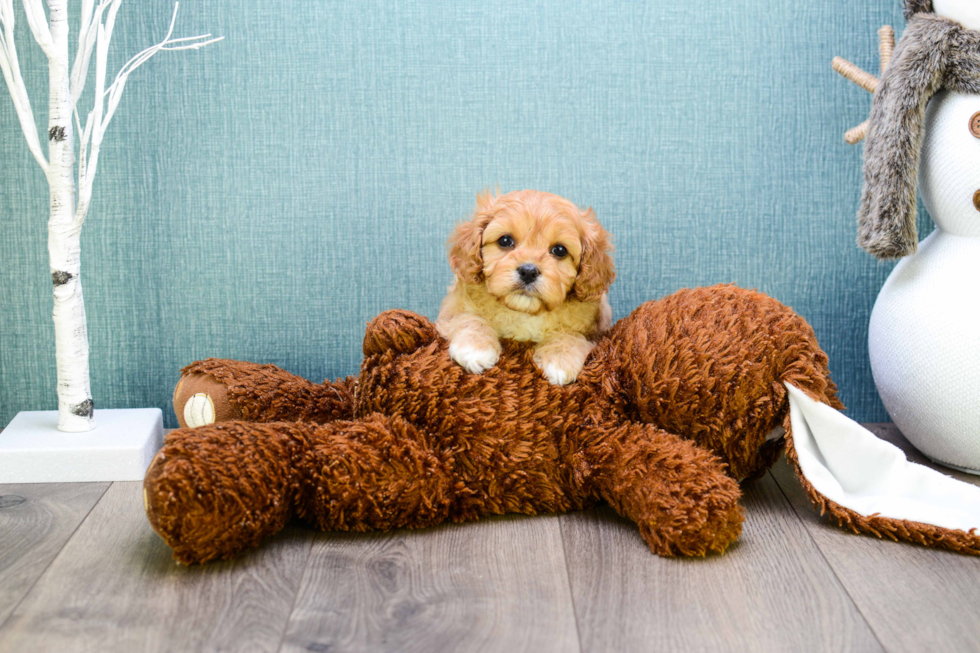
[677, 493]
[218, 489]
[217, 390]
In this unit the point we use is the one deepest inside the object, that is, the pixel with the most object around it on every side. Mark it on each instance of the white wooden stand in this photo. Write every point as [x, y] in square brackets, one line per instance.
[119, 448]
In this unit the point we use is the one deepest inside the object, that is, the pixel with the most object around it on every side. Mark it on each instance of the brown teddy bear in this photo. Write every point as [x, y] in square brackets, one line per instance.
[677, 404]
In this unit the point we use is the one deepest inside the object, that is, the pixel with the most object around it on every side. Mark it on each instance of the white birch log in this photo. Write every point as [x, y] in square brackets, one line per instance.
[75, 407]
[65, 86]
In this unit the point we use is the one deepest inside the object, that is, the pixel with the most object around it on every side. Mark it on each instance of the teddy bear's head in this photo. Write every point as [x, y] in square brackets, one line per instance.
[710, 364]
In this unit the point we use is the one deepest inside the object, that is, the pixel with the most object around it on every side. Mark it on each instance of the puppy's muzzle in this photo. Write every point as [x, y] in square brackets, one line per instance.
[528, 273]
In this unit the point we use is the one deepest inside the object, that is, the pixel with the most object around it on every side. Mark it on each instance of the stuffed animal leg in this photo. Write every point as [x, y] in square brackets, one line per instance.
[215, 490]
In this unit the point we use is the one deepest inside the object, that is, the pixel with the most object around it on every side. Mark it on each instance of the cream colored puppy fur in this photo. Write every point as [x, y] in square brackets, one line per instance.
[529, 266]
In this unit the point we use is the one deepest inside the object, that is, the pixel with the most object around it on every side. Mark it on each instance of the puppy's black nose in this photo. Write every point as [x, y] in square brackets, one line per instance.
[528, 273]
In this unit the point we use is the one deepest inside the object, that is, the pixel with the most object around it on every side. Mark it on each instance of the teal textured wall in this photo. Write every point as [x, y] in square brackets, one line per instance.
[263, 198]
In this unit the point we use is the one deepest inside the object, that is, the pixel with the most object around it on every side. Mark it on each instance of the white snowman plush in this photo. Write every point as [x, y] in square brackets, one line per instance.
[924, 334]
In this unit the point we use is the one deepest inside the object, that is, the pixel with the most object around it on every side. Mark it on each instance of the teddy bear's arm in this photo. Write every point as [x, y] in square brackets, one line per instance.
[399, 332]
[676, 492]
[216, 390]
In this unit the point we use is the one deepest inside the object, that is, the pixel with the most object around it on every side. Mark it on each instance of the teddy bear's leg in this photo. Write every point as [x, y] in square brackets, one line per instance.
[677, 493]
[216, 390]
[215, 490]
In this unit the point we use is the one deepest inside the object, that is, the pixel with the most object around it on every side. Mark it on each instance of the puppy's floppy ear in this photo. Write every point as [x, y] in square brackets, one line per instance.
[466, 241]
[596, 269]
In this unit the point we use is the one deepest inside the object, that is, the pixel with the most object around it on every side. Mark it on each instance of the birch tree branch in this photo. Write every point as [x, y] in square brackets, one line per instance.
[188, 43]
[92, 134]
[15, 82]
[38, 23]
[87, 33]
[107, 99]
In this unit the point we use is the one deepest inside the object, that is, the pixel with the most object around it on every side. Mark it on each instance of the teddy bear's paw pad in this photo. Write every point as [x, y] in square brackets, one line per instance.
[200, 399]
[199, 410]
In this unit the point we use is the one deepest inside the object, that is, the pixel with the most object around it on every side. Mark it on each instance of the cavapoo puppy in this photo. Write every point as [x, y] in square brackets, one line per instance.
[529, 266]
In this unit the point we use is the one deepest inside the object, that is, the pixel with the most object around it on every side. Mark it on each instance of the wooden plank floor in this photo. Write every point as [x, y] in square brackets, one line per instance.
[81, 570]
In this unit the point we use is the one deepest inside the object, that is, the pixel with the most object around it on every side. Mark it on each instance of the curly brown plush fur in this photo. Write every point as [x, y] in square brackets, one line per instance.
[934, 53]
[672, 407]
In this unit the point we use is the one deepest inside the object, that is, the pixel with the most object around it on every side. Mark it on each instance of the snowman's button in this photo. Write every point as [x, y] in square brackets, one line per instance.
[975, 124]
[976, 200]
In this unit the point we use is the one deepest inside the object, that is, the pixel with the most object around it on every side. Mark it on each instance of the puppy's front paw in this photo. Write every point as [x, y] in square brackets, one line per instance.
[560, 372]
[474, 358]
[562, 360]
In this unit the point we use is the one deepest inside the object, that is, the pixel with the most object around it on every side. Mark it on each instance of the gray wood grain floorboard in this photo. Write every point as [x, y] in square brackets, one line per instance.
[35, 522]
[772, 590]
[114, 587]
[499, 584]
[914, 598]
[793, 582]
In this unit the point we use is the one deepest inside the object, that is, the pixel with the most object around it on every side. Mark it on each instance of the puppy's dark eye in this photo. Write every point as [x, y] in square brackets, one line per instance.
[506, 241]
[559, 251]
